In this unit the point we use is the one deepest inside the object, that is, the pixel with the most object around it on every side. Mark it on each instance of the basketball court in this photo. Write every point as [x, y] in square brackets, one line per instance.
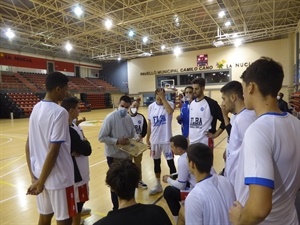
[15, 179]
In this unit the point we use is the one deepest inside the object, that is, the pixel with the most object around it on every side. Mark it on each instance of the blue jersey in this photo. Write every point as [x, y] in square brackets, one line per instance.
[184, 118]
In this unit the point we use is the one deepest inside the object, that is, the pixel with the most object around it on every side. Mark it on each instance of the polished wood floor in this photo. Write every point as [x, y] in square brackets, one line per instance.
[18, 208]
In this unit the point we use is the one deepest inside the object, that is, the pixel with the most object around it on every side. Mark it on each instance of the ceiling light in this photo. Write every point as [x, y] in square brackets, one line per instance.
[68, 46]
[221, 14]
[9, 33]
[234, 35]
[176, 20]
[177, 51]
[78, 11]
[227, 23]
[131, 33]
[218, 43]
[108, 23]
[119, 58]
[237, 42]
[145, 39]
[163, 47]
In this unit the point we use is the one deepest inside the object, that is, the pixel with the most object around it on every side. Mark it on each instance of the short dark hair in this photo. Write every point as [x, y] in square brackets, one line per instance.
[179, 141]
[126, 99]
[158, 90]
[56, 79]
[123, 177]
[69, 103]
[267, 74]
[281, 94]
[188, 87]
[233, 87]
[202, 156]
[200, 81]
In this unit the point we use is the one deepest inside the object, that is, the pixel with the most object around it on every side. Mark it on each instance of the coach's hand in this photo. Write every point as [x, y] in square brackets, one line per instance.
[123, 141]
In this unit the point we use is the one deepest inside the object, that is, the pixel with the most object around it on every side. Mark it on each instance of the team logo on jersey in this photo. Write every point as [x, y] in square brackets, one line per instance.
[139, 121]
[138, 129]
[158, 121]
[202, 109]
[196, 122]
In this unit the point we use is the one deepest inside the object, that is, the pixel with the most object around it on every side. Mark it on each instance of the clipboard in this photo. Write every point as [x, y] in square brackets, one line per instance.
[135, 148]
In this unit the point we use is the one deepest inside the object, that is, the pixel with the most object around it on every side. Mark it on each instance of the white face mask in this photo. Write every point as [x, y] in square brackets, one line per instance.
[278, 97]
[133, 110]
[188, 97]
[122, 111]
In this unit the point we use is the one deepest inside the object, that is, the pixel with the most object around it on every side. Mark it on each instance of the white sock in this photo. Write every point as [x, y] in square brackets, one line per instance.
[175, 219]
[158, 182]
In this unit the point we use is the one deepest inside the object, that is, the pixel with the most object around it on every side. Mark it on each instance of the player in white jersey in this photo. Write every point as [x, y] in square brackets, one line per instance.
[209, 201]
[160, 115]
[233, 100]
[184, 179]
[140, 125]
[80, 150]
[204, 113]
[48, 154]
[268, 171]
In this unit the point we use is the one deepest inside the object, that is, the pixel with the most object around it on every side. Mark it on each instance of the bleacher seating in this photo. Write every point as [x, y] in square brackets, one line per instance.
[12, 84]
[37, 79]
[101, 83]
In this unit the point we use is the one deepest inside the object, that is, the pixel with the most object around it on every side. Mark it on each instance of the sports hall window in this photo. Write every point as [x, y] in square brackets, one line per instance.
[217, 77]
[186, 79]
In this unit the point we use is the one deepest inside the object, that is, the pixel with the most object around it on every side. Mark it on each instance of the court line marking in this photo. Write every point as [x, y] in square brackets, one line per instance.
[7, 199]
[9, 140]
[3, 175]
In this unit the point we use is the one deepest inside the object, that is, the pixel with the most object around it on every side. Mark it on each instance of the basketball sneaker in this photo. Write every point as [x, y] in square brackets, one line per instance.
[157, 189]
[85, 211]
[142, 184]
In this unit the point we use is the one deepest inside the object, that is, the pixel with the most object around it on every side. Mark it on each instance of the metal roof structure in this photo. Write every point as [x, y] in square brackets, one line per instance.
[44, 26]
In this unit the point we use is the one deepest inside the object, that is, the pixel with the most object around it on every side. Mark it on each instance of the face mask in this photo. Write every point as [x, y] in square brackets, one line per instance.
[188, 97]
[122, 111]
[278, 97]
[133, 110]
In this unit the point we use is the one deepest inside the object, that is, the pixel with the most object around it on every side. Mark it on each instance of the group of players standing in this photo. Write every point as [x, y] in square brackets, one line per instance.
[262, 156]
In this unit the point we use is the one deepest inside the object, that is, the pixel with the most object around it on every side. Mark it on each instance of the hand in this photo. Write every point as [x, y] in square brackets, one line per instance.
[123, 141]
[178, 117]
[75, 154]
[165, 178]
[210, 135]
[235, 213]
[225, 111]
[161, 94]
[35, 188]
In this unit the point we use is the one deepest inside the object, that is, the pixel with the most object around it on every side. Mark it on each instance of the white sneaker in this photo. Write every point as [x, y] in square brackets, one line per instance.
[142, 184]
[156, 189]
[85, 211]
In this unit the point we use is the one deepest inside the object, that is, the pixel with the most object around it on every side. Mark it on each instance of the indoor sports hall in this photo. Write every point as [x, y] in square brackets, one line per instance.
[111, 48]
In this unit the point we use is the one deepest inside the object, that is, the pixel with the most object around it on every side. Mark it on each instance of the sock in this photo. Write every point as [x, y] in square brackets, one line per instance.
[158, 182]
[175, 219]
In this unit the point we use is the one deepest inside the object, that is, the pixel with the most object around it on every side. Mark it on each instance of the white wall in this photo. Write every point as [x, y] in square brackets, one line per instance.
[279, 50]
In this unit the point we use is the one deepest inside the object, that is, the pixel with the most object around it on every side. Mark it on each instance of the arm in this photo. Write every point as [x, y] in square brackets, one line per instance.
[257, 207]
[144, 128]
[148, 132]
[167, 106]
[82, 147]
[27, 152]
[37, 187]
[105, 132]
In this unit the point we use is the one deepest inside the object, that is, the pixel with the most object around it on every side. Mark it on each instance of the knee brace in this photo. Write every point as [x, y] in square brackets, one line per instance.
[157, 168]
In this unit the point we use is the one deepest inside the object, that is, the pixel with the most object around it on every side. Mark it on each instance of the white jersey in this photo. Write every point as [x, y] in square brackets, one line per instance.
[161, 121]
[200, 121]
[270, 157]
[184, 174]
[48, 124]
[209, 202]
[82, 161]
[240, 124]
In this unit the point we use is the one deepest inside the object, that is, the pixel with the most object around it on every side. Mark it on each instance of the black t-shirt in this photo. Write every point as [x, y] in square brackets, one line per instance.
[139, 214]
